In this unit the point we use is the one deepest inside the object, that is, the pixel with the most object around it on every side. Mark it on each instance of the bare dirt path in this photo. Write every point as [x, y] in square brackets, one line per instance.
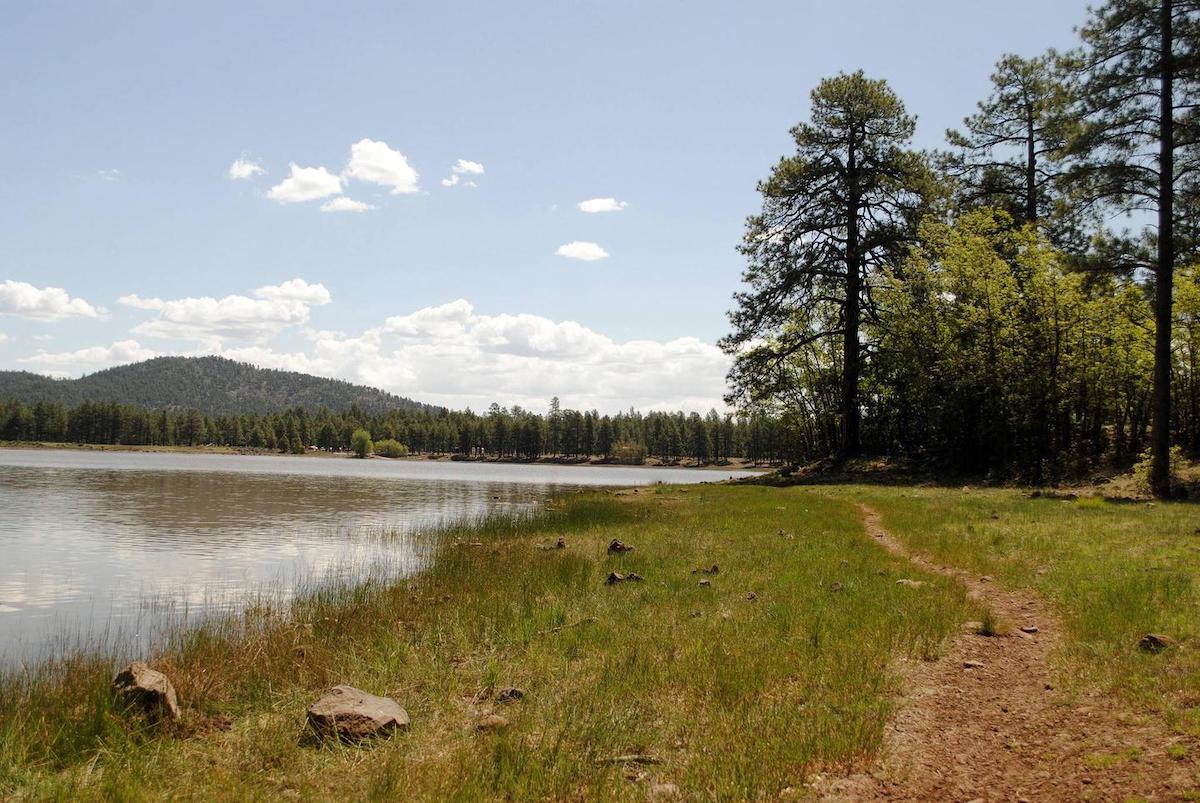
[985, 723]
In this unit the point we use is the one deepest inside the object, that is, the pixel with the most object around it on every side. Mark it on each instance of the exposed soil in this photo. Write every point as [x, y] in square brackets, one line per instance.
[984, 722]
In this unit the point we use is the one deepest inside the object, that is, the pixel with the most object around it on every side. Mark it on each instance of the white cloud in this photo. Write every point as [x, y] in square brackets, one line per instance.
[588, 252]
[594, 205]
[376, 163]
[296, 290]
[450, 354]
[3, 337]
[212, 322]
[43, 304]
[344, 204]
[305, 184]
[94, 357]
[458, 170]
[244, 168]
[467, 166]
[109, 174]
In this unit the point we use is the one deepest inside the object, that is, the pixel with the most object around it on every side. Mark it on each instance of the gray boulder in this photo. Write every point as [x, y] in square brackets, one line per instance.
[353, 715]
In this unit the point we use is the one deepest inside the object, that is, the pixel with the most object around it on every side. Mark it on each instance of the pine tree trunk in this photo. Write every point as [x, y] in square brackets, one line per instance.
[1031, 207]
[1160, 437]
[851, 440]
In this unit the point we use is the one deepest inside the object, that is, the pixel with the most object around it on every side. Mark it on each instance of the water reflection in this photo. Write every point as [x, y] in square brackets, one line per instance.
[88, 539]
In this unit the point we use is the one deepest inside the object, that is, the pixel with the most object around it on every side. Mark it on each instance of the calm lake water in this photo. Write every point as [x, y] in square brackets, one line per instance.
[110, 547]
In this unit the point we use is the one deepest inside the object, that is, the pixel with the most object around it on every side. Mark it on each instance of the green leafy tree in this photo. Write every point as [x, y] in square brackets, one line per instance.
[360, 443]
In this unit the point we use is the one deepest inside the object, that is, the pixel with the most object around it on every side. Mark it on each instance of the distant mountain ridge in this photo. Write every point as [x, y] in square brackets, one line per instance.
[212, 385]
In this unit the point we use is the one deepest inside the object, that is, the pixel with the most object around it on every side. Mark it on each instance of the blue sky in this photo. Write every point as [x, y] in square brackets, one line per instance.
[121, 121]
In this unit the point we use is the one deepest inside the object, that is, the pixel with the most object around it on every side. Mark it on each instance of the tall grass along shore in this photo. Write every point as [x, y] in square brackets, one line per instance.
[764, 644]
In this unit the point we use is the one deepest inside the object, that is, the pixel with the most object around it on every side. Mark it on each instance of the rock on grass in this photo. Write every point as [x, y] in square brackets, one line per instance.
[352, 715]
[137, 685]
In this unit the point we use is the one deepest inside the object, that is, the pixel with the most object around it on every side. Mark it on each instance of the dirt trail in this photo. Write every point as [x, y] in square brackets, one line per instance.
[1000, 731]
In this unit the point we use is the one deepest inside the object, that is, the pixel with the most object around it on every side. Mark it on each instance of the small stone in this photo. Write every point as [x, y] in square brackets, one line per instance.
[614, 578]
[705, 583]
[714, 569]
[616, 547]
[492, 722]
[972, 664]
[696, 614]
[1155, 643]
[664, 791]
[634, 577]
[750, 595]
[910, 583]
[987, 578]
[835, 586]
[510, 694]
[151, 691]
[1030, 629]
[561, 543]
[353, 715]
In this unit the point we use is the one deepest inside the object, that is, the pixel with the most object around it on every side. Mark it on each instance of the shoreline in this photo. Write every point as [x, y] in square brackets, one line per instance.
[528, 674]
[738, 465]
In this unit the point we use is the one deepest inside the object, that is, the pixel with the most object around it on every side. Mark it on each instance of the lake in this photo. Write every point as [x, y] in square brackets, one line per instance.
[109, 548]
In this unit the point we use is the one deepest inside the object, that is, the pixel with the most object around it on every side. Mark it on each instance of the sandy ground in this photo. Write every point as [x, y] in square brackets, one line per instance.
[985, 722]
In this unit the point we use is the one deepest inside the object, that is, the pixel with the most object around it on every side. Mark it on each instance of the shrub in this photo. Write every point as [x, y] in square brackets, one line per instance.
[630, 453]
[360, 443]
[1141, 471]
[390, 447]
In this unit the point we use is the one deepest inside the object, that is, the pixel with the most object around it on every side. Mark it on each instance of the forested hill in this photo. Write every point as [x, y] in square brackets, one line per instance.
[212, 385]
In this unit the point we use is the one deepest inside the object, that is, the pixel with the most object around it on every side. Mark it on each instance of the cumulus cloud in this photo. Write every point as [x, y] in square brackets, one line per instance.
[296, 290]
[463, 167]
[244, 168]
[94, 357]
[446, 354]
[374, 162]
[467, 166]
[212, 322]
[455, 180]
[594, 205]
[588, 252]
[305, 184]
[43, 303]
[449, 354]
[344, 204]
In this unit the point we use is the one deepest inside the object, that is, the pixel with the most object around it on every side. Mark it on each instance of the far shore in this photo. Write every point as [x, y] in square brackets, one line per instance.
[732, 465]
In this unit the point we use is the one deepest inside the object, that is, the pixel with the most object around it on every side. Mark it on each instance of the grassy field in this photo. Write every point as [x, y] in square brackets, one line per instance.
[736, 697]
[1114, 570]
[733, 696]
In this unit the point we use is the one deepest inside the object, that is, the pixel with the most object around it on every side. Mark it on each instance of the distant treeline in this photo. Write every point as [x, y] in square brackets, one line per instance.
[511, 433]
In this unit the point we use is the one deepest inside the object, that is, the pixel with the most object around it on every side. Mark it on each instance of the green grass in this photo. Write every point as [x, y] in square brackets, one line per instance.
[1115, 571]
[739, 698]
